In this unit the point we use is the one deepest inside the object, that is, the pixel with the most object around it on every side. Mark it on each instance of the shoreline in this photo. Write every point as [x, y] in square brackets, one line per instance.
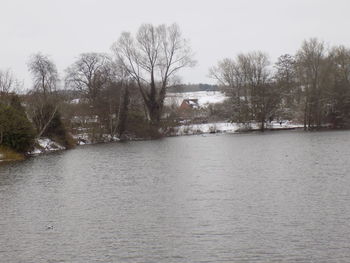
[227, 127]
[50, 146]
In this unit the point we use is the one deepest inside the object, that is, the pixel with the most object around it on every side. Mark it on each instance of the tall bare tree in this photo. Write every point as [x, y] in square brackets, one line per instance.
[287, 82]
[152, 58]
[44, 72]
[231, 78]
[339, 94]
[43, 100]
[312, 72]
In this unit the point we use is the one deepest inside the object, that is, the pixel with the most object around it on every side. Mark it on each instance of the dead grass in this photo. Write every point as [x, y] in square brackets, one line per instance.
[7, 155]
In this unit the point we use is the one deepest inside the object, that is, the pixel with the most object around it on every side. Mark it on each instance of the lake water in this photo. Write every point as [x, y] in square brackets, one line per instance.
[272, 197]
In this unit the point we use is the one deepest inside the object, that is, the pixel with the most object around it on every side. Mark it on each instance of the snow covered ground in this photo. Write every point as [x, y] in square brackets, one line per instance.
[204, 97]
[228, 127]
[46, 145]
[205, 128]
[84, 138]
[283, 125]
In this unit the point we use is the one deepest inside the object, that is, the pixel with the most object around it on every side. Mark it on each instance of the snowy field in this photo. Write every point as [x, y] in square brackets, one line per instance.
[204, 97]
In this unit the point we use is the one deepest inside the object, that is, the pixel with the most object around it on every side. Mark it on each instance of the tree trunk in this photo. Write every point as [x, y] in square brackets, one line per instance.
[305, 116]
[48, 122]
[154, 112]
[262, 124]
[123, 112]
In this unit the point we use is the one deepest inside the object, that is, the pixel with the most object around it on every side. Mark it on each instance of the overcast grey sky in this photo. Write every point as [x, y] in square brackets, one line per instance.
[216, 29]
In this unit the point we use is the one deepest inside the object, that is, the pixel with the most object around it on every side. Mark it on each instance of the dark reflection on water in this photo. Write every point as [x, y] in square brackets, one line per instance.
[273, 197]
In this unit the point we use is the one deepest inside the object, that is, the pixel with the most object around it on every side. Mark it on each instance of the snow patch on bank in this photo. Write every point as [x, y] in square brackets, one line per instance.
[85, 138]
[228, 127]
[205, 128]
[44, 145]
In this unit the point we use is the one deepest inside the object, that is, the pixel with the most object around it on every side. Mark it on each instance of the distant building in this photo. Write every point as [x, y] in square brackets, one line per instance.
[190, 108]
[189, 104]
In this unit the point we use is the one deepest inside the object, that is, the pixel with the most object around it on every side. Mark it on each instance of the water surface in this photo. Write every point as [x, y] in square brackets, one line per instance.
[273, 197]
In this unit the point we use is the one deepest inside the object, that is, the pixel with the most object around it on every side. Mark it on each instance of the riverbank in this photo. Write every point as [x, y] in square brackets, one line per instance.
[42, 145]
[46, 145]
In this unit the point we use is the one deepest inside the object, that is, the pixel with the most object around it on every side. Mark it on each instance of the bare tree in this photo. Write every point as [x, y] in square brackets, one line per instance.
[312, 70]
[125, 81]
[152, 58]
[258, 80]
[339, 93]
[44, 72]
[43, 100]
[93, 76]
[9, 85]
[247, 80]
[231, 78]
[286, 80]
[89, 74]
[7, 81]
[227, 74]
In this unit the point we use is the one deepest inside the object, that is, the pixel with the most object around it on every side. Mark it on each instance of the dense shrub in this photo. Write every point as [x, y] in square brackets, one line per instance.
[138, 127]
[16, 131]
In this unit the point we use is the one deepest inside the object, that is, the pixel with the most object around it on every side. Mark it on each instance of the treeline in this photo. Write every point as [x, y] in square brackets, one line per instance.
[311, 86]
[105, 96]
[25, 117]
[121, 94]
